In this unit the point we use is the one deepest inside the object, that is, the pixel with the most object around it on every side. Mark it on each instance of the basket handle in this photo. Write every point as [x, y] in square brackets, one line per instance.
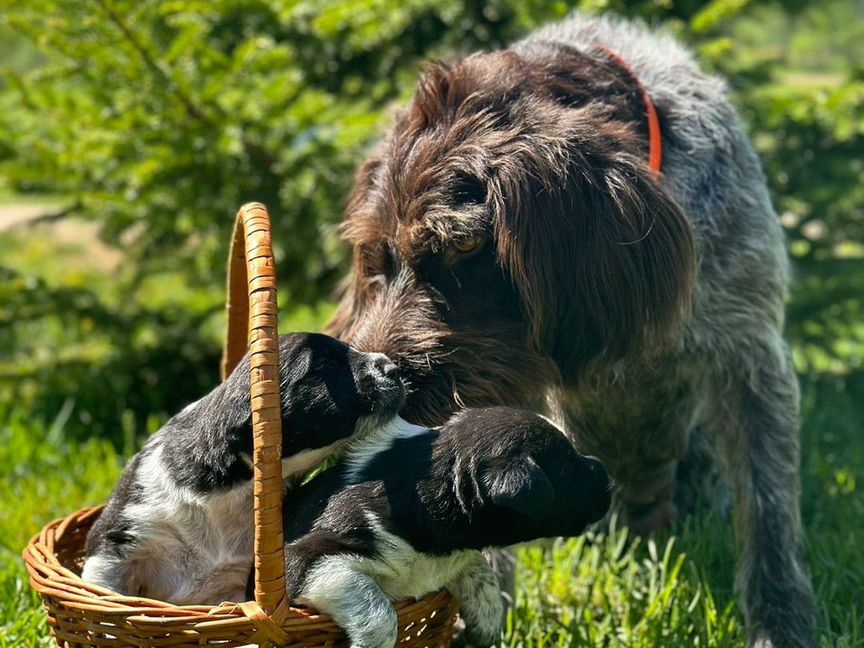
[252, 318]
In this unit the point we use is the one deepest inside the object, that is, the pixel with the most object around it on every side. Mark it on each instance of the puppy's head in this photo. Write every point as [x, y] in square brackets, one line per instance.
[332, 390]
[517, 478]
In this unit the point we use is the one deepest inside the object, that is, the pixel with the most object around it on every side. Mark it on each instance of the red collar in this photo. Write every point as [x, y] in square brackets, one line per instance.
[655, 141]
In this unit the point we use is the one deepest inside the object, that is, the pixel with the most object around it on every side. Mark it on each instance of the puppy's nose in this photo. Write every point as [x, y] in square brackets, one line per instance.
[598, 474]
[384, 365]
[600, 487]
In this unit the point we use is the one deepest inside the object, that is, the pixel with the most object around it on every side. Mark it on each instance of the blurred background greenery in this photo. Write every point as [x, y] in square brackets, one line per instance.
[130, 131]
[152, 121]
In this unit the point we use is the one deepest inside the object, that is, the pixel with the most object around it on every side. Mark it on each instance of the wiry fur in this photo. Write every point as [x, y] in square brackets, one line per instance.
[178, 526]
[653, 311]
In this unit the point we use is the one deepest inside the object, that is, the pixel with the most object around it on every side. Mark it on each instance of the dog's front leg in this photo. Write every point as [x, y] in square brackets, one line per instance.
[757, 425]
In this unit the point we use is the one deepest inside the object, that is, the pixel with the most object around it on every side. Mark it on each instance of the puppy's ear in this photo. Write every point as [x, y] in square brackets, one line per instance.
[600, 252]
[522, 487]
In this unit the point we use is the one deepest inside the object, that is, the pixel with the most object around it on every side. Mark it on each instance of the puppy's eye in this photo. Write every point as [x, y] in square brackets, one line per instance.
[469, 245]
[324, 363]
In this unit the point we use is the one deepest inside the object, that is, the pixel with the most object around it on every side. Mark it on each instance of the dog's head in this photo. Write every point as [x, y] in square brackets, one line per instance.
[509, 229]
[516, 478]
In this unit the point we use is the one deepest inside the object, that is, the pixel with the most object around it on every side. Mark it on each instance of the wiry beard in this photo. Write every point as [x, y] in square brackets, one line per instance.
[445, 369]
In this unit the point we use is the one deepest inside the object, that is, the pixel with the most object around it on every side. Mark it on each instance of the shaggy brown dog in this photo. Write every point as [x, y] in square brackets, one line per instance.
[511, 246]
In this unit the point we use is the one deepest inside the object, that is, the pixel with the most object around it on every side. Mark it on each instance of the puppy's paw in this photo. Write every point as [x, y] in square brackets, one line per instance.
[482, 603]
[374, 626]
[338, 587]
[483, 634]
[464, 639]
[378, 630]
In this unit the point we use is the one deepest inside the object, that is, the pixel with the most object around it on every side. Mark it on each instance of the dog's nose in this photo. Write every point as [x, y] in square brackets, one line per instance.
[384, 365]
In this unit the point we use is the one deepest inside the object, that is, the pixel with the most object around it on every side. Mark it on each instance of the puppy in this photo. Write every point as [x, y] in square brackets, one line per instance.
[178, 526]
[409, 509]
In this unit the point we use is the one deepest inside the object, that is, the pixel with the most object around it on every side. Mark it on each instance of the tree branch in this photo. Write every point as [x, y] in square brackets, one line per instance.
[191, 108]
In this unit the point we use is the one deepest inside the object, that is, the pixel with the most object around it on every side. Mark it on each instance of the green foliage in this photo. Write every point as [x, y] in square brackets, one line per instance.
[159, 118]
[798, 81]
[155, 120]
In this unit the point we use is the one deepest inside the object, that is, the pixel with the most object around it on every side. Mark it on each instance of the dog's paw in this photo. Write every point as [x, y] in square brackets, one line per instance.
[338, 587]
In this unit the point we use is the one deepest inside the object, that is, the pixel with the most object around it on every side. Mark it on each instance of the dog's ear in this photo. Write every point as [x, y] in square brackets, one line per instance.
[341, 324]
[522, 487]
[354, 231]
[600, 252]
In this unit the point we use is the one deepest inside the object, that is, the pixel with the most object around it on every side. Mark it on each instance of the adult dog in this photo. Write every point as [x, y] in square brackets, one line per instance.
[512, 245]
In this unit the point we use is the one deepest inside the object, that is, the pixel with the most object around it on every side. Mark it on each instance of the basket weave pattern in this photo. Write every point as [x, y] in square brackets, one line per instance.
[81, 614]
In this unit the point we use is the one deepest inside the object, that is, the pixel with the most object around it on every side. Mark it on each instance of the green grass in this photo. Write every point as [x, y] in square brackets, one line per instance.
[676, 589]
[42, 477]
[8, 197]
[600, 590]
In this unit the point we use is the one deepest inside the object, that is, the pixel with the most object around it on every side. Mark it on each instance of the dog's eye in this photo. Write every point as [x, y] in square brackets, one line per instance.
[469, 245]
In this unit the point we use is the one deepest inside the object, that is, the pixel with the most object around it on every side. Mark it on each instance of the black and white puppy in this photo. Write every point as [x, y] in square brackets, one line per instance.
[178, 526]
[409, 509]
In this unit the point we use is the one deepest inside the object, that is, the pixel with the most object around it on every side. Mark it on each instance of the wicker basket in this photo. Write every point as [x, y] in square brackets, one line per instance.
[81, 614]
